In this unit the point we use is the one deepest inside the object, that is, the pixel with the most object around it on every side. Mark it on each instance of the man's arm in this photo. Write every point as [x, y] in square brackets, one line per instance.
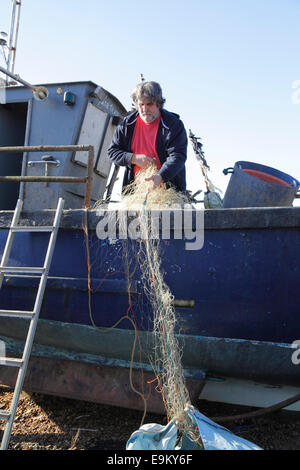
[141, 160]
[117, 150]
[176, 154]
[156, 179]
[119, 154]
[176, 157]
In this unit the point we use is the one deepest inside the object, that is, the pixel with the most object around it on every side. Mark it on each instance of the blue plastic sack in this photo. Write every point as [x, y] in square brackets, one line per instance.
[214, 436]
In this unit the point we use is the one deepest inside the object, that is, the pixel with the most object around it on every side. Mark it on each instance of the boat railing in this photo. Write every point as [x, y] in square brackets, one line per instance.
[88, 179]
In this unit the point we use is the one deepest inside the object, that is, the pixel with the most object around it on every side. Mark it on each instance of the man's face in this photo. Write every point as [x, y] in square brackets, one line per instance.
[147, 110]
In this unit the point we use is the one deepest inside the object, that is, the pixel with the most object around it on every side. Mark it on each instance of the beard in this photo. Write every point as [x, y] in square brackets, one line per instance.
[150, 117]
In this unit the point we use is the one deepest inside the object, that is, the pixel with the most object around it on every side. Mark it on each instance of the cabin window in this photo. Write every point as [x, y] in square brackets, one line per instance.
[97, 129]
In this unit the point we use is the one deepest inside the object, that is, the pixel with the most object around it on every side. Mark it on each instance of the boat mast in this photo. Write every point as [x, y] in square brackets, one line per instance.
[40, 92]
[13, 36]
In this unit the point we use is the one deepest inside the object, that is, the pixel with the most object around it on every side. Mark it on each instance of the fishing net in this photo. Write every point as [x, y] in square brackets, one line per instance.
[142, 199]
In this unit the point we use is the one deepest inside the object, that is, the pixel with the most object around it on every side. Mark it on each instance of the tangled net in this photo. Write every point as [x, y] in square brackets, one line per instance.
[166, 360]
[141, 198]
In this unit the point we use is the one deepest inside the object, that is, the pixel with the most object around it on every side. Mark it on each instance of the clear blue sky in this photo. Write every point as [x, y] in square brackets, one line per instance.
[226, 66]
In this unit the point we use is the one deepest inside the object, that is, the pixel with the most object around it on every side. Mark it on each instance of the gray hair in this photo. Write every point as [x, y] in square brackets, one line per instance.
[152, 90]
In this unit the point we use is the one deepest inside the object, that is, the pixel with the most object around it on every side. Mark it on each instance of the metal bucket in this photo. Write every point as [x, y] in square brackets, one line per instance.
[255, 185]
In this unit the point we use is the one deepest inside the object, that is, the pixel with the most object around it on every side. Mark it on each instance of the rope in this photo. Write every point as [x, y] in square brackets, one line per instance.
[261, 412]
[106, 330]
[171, 381]
[167, 359]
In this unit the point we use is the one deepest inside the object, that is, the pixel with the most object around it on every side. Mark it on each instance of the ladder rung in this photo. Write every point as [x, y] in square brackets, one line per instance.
[4, 415]
[16, 313]
[30, 276]
[22, 269]
[11, 361]
[31, 229]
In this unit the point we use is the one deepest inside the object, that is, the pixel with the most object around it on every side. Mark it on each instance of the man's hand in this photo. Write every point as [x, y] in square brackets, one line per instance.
[157, 180]
[142, 160]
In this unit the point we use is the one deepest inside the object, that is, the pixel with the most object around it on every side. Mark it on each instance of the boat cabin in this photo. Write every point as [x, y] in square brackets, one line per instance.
[77, 113]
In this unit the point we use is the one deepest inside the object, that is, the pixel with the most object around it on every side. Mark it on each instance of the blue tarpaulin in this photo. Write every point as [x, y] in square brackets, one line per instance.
[214, 436]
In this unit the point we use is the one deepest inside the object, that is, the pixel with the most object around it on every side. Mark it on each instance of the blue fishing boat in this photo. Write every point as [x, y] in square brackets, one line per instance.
[235, 298]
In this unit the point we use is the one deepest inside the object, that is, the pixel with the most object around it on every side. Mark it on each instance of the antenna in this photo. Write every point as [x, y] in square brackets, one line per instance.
[3, 44]
[13, 35]
[3, 37]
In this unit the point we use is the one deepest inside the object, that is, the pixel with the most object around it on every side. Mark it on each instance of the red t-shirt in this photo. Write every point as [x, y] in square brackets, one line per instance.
[144, 140]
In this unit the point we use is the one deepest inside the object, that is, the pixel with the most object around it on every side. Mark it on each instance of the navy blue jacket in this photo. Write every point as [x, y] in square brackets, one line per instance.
[171, 147]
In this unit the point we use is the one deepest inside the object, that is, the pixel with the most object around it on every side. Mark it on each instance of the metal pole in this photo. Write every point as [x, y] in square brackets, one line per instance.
[112, 182]
[18, 79]
[11, 35]
[43, 179]
[47, 148]
[57, 179]
[15, 39]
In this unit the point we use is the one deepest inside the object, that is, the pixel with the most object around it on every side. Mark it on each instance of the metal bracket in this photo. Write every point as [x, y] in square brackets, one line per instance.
[46, 160]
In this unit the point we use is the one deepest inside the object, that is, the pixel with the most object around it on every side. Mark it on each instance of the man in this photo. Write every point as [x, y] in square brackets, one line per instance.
[151, 134]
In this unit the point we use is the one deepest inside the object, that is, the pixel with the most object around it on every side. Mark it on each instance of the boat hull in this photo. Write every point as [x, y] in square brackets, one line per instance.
[236, 302]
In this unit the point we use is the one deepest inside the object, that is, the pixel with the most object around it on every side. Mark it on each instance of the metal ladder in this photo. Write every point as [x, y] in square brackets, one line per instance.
[33, 316]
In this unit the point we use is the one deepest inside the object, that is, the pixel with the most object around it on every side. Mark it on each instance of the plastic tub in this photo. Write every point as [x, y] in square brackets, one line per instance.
[255, 185]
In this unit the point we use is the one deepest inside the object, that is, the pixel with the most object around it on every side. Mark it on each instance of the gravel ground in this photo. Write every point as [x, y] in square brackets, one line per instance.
[54, 423]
